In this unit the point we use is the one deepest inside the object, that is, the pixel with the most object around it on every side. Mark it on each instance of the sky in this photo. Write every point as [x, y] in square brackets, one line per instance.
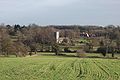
[60, 12]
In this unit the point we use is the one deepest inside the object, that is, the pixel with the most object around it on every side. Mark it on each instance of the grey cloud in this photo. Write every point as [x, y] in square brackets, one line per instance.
[101, 12]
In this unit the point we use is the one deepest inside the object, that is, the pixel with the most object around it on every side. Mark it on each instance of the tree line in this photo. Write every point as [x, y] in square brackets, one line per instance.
[23, 40]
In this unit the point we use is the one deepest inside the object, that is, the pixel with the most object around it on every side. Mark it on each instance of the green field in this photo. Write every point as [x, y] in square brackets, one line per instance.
[59, 68]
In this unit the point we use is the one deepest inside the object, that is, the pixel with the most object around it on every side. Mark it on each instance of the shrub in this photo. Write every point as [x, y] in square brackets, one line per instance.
[81, 53]
[66, 49]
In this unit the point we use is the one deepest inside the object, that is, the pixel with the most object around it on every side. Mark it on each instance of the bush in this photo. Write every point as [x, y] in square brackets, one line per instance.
[81, 53]
[81, 42]
[66, 49]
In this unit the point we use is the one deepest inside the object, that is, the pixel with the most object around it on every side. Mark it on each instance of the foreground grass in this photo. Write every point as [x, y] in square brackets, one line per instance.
[59, 68]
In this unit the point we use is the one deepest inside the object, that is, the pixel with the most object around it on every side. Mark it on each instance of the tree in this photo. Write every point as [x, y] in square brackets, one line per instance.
[16, 27]
[20, 49]
[34, 47]
[56, 49]
[6, 45]
[89, 46]
[102, 50]
[107, 46]
[5, 42]
[103, 47]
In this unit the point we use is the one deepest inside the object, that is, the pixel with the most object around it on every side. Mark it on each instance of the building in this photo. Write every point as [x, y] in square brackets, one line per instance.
[84, 34]
[57, 36]
[61, 39]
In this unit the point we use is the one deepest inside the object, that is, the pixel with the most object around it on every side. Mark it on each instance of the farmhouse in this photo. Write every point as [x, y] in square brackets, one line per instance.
[84, 34]
[87, 35]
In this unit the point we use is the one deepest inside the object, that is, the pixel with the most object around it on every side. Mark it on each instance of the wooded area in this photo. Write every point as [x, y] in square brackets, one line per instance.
[23, 40]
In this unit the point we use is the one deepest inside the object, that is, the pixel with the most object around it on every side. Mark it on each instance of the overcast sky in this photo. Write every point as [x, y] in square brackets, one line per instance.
[52, 12]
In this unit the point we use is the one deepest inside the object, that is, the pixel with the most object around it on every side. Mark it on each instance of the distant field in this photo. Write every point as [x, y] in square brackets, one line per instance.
[50, 67]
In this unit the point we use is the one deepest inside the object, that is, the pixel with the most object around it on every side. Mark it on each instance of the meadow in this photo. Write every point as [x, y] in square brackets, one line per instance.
[50, 67]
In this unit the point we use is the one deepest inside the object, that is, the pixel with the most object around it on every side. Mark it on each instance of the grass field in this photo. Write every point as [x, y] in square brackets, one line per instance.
[59, 68]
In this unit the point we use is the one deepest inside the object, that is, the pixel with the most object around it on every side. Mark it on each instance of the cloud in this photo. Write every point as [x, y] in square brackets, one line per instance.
[19, 6]
[58, 2]
[60, 11]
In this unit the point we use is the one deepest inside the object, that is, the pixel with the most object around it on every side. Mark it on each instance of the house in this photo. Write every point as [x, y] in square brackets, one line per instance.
[87, 35]
[84, 34]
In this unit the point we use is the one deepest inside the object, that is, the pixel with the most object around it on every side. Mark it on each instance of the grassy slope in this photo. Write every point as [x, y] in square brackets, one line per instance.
[58, 68]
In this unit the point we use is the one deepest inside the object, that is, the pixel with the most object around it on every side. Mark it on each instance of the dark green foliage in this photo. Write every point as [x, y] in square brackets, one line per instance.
[102, 50]
[66, 49]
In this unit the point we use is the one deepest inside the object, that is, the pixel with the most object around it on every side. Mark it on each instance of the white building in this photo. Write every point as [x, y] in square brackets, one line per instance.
[60, 39]
[57, 34]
